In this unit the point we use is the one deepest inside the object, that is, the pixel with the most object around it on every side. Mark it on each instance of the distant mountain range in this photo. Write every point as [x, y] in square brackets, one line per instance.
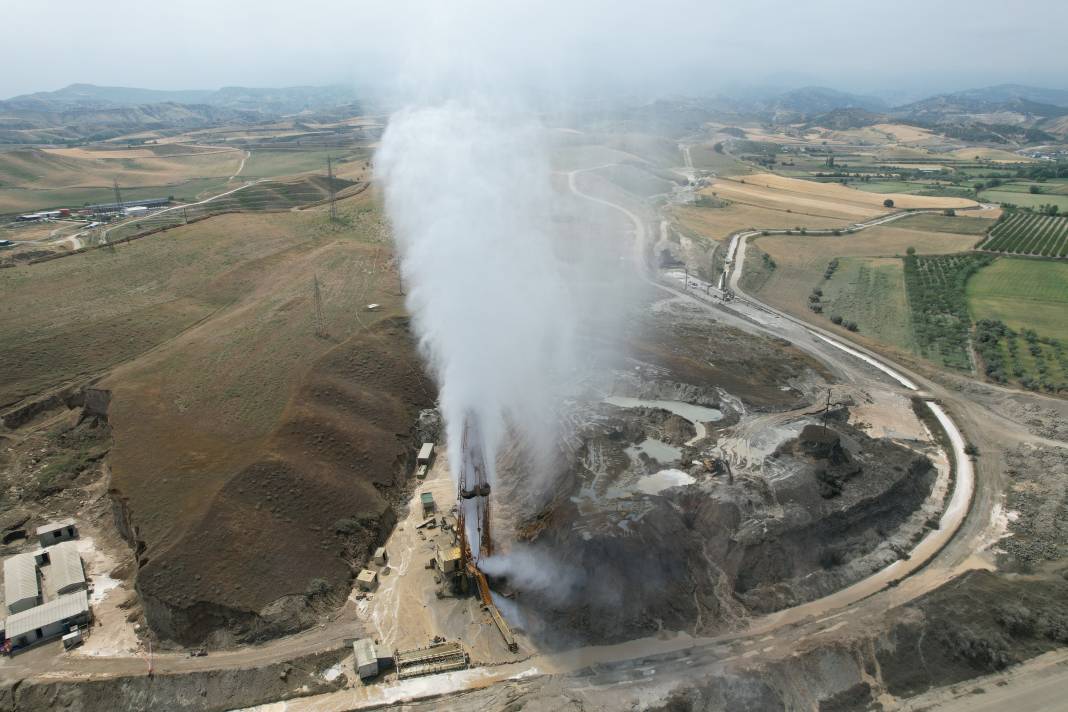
[84, 112]
[286, 100]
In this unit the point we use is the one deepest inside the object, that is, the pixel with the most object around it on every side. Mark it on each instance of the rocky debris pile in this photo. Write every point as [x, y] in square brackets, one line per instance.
[1038, 499]
[703, 555]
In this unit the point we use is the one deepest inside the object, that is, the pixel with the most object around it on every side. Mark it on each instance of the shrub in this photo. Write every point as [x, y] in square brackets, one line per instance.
[888, 203]
[317, 587]
[836, 319]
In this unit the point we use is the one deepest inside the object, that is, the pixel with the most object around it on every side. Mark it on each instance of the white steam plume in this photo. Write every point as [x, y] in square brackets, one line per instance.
[468, 189]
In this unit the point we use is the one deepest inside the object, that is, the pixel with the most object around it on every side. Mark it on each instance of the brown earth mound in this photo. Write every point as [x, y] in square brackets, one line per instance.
[308, 510]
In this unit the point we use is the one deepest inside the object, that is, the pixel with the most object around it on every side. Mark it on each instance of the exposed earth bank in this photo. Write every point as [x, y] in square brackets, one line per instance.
[283, 532]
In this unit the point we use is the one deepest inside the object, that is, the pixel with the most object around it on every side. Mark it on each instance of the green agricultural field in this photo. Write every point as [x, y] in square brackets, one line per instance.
[15, 200]
[889, 186]
[1024, 357]
[935, 285]
[871, 293]
[1026, 200]
[1025, 294]
[1021, 310]
[959, 224]
[705, 157]
[272, 163]
[1022, 233]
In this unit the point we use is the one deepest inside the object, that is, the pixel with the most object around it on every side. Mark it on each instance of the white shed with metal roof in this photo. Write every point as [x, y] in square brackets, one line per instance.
[22, 589]
[54, 532]
[66, 573]
[50, 620]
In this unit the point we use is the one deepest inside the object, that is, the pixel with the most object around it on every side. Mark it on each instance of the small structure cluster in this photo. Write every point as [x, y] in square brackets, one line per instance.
[45, 591]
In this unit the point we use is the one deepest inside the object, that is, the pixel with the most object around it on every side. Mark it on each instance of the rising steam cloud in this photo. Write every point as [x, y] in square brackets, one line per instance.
[468, 189]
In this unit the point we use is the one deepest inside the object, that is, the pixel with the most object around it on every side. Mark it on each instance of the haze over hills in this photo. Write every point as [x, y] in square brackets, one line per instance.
[86, 112]
[82, 112]
[266, 100]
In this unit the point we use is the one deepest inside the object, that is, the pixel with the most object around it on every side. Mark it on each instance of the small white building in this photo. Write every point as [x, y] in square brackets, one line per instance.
[381, 557]
[50, 620]
[55, 532]
[426, 454]
[22, 588]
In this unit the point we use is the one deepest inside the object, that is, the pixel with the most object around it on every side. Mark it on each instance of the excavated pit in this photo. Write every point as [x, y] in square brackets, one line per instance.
[684, 505]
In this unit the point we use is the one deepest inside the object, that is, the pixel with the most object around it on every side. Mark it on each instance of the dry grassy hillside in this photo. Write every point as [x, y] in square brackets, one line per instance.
[252, 460]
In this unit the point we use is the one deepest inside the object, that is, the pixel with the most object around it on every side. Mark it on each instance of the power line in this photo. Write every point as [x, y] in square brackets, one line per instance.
[333, 193]
[320, 327]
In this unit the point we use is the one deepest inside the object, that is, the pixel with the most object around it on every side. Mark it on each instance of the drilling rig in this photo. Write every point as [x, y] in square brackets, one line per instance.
[473, 508]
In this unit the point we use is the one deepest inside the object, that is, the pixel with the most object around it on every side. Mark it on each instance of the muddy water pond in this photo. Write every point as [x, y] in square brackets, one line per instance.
[696, 414]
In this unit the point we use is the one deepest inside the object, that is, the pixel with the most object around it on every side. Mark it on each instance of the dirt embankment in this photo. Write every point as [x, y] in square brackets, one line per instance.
[201, 691]
[283, 534]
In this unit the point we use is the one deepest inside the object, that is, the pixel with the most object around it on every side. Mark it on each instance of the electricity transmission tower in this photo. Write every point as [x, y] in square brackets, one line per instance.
[320, 326]
[118, 196]
[333, 193]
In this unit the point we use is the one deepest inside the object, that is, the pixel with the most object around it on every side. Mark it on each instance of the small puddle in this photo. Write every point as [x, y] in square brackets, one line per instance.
[660, 451]
[665, 479]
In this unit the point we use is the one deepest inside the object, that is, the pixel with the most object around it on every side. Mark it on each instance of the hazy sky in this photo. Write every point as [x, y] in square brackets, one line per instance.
[663, 45]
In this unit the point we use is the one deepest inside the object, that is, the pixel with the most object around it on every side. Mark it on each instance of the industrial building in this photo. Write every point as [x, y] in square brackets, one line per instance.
[43, 215]
[112, 208]
[55, 532]
[366, 659]
[22, 588]
[440, 657]
[426, 454]
[50, 620]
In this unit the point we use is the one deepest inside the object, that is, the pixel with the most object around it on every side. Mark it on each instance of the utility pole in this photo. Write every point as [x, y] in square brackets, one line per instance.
[333, 193]
[320, 327]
